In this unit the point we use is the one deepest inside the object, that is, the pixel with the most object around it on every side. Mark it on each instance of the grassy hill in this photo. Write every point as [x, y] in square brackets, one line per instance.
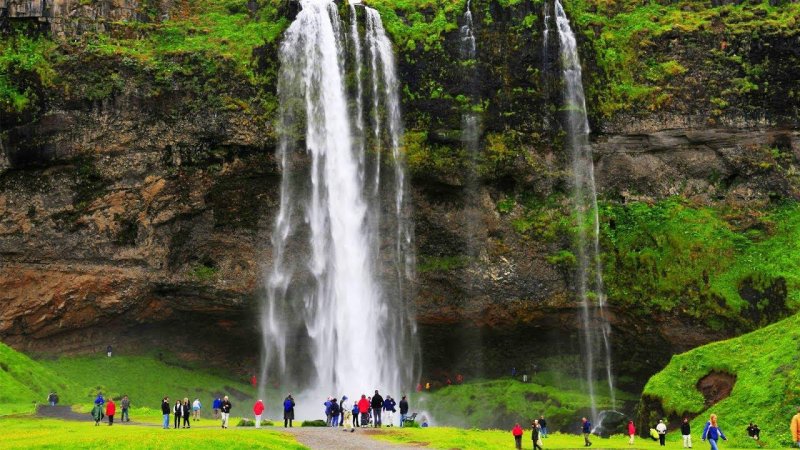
[766, 366]
[24, 382]
[496, 403]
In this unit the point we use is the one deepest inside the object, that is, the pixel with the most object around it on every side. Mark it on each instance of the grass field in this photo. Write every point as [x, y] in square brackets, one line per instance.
[455, 438]
[23, 382]
[24, 433]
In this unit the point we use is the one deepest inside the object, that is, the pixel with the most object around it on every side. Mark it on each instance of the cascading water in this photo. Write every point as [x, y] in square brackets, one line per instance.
[470, 124]
[337, 318]
[596, 345]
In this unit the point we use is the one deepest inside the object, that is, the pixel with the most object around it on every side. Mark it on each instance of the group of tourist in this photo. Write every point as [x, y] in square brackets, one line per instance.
[538, 432]
[103, 408]
[374, 410]
[185, 412]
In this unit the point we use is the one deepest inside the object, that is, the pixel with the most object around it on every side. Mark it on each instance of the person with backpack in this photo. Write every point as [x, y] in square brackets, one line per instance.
[225, 409]
[389, 406]
[111, 409]
[662, 432]
[631, 432]
[288, 411]
[517, 432]
[165, 412]
[686, 433]
[258, 409]
[712, 432]
[403, 410]
[334, 413]
[97, 413]
[125, 404]
[377, 405]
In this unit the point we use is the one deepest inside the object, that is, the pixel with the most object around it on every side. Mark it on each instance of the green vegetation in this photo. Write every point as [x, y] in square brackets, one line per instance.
[489, 403]
[625, 38]
[766, 364]
[417, 24]
[25, 66]
[203, 272]
[144, 379]
[434, 263]
[455, 438]
[24, 382]
[675, 255]
[26, 433]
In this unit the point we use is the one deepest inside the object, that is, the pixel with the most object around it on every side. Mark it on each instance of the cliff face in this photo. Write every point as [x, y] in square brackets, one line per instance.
[138, 186]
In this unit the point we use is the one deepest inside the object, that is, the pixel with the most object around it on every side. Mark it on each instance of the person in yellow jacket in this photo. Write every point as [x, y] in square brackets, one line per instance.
[795, 427]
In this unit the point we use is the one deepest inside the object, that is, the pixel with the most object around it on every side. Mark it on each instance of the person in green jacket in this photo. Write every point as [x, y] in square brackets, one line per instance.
[97, 413]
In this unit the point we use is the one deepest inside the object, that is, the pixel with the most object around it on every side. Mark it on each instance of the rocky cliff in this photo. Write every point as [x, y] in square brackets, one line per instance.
[138, 185]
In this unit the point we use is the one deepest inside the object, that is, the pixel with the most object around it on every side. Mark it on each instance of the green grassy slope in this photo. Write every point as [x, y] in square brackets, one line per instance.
[495, 403]
[24, 382]
[766, 364]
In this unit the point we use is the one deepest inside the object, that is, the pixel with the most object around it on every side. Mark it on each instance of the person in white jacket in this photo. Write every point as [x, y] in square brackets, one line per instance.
[662, 432]
[196, 406]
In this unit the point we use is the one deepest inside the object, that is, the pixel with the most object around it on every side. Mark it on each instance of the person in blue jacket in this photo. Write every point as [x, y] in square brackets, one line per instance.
[712, 432]
[586, 428]
[99, 400]
[215, 406]
[355, 415]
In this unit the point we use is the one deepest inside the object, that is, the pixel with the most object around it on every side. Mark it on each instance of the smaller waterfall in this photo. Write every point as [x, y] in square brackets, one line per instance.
[470, 125]
[596, 329]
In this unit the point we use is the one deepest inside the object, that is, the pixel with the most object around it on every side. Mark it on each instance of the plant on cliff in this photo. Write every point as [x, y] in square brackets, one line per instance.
[766, 364]
[673, 254]
[26, 66]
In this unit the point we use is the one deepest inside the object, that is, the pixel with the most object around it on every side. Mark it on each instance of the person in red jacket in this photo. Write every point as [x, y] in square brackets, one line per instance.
[517, 432]
[363, 408]
[258, 409]
[111, 409]
[631, 431]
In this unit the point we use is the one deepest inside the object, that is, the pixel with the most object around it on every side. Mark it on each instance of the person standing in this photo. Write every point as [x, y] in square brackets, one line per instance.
[403, 410]
[794, 427]
[517, 432]
[355, 415]
[196, 406]
[165, 412]
[97, 413]
[686, 433]
[377, 406]
[342, 410]
[51, 399]
[335, 413]
[389, 406]
[543, 426]
[347, 416]
[631, 432]
[288, 411]
[712, 432]
[586, 428]
[125, 404]
[176, 413]
[662, 432]
[186, 412]
[225, 408]
[363, 408]
[258, 409]
[215, 407]
[536, 435]
[99, 400]
[108, 351]
[111, 409]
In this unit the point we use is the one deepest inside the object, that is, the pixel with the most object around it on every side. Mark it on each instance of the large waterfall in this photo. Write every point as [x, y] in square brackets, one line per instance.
[596, 345]
[337, 318]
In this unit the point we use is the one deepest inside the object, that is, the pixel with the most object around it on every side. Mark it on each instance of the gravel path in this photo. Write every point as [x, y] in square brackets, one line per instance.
[321, 438]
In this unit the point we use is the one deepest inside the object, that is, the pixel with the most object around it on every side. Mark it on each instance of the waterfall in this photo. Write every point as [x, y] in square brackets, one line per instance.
[470, 126]
[337, 319]
[596, 330]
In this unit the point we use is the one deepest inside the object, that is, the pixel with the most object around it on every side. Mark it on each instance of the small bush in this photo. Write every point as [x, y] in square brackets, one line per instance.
[314, 423]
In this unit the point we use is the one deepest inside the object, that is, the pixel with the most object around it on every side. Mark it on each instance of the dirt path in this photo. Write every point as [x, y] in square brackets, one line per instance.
[61, 412]
[322, 438]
